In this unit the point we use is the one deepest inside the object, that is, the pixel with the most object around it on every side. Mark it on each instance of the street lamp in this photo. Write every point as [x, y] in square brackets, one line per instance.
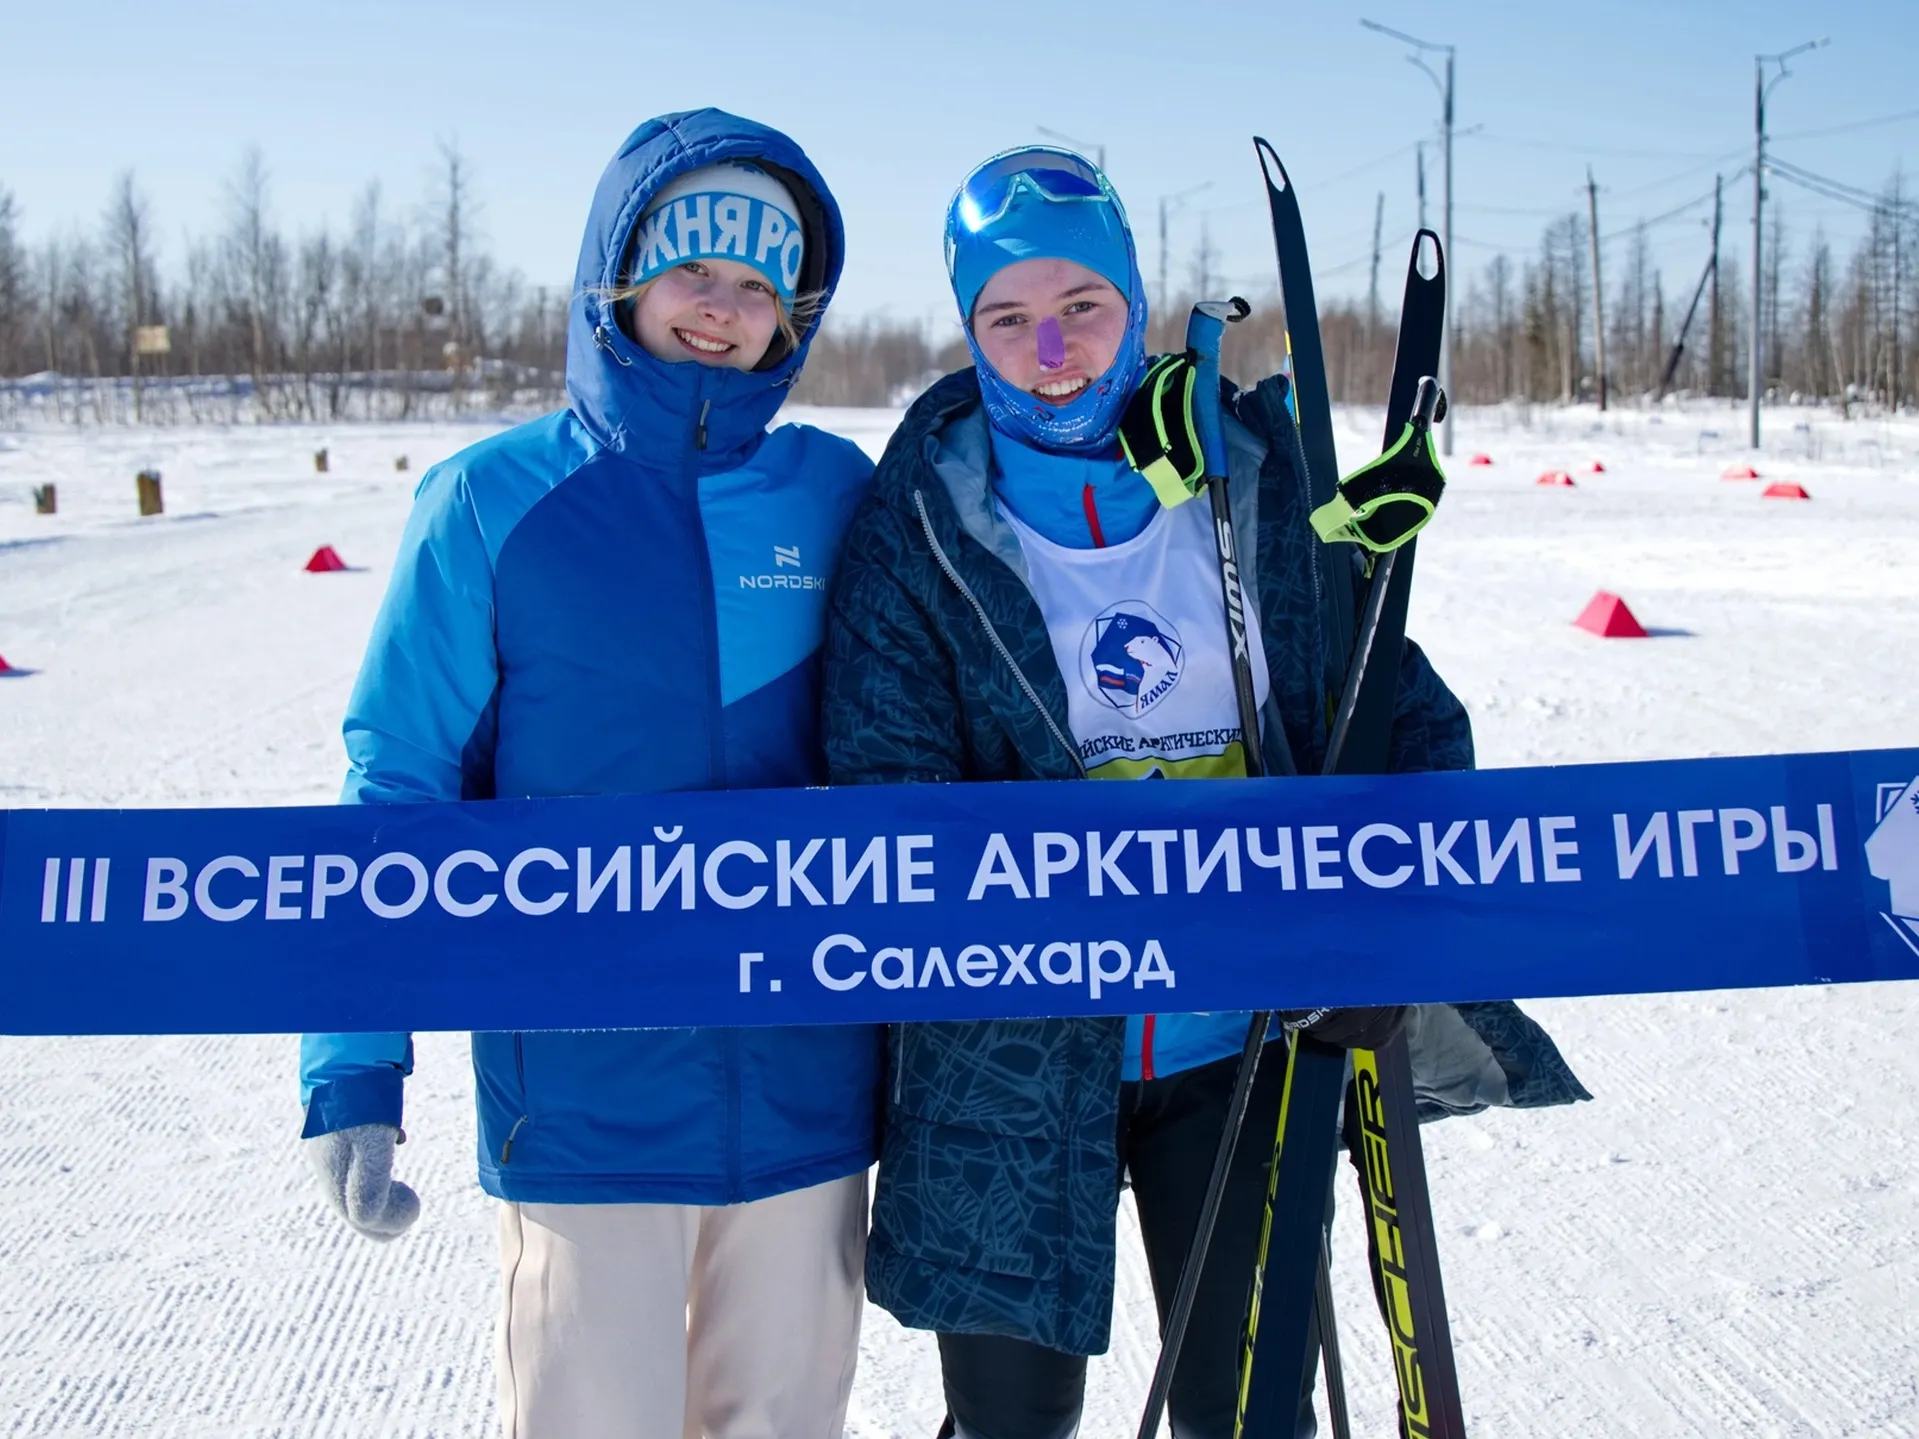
[1445, 89]
[1167, 204]
[1762, 87]
[1099, 150]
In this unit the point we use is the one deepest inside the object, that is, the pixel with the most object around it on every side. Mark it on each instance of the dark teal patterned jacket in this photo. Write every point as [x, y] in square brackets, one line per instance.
[998, 1172]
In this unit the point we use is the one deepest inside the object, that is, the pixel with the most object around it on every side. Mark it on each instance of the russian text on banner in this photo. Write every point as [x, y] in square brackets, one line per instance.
[960, 901]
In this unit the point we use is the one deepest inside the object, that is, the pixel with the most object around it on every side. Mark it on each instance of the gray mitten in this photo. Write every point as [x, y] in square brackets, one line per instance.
[356, 1171]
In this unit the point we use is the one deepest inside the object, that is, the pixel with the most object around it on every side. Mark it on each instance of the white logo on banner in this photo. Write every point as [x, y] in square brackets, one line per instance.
[1893, 855]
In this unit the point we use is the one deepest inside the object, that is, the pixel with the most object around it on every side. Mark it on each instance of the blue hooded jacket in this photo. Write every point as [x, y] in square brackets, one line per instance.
[626, 596]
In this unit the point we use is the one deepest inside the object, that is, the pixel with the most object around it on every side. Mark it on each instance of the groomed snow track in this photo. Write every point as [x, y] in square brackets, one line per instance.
[1725, 1242]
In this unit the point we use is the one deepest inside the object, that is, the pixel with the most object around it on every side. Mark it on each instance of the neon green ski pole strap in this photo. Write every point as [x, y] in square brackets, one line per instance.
[1383, 504]
[1159, 434]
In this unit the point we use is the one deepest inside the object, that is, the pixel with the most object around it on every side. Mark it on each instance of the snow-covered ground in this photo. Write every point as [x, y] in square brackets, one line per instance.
[1726, 1241]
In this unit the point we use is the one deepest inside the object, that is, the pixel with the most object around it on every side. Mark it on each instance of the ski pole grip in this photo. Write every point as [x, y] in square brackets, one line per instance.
[1429, 405]
[1204, 329]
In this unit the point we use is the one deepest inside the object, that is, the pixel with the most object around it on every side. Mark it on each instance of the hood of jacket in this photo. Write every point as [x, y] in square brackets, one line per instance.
[647, 409]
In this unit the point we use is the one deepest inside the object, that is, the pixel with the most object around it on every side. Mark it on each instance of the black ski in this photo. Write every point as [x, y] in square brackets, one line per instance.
[1281, 1342]
[1383, 1127]
[1312, 400]
[1422, 322]
[1281, 1339]
[1383, 1121]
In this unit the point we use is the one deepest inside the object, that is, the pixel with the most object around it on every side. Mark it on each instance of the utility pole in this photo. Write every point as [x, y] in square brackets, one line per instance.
[1445, 88]
[1420, 161]
[1162, 254]
[1372, 300]
[1898, 260]
[1599, 304]
[1167, 204]
[1760, 86]
[1715, 352]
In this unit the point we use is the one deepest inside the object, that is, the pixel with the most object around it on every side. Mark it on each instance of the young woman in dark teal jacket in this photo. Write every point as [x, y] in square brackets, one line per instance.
[1013, 603]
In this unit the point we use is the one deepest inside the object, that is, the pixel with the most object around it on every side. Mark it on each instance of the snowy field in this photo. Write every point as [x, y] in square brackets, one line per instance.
[1725, 1242]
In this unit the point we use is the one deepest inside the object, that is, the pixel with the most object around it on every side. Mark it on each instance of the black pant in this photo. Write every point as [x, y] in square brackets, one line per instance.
[999, 1388]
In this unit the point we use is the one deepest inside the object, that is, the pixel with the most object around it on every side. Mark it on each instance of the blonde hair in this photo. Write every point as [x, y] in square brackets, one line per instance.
[793, 320]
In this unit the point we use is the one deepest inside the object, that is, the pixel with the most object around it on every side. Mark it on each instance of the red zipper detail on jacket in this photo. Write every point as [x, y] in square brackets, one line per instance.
[1145, 1038]
[1092, 518]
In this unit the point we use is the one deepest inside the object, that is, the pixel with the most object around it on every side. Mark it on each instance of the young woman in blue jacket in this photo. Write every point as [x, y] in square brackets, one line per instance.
[1014, 603]
[573, 612]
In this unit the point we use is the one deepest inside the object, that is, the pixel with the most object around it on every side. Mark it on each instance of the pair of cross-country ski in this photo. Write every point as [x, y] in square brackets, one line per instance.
[1381, 508]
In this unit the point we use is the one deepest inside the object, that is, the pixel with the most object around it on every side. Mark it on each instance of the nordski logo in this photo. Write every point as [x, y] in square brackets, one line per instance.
[785, 557]
[1892, 854]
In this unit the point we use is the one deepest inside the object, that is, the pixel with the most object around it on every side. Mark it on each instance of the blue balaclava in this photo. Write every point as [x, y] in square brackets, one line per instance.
[1041, 203]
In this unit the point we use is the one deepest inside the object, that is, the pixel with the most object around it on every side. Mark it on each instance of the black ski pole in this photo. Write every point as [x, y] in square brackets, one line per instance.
[1204, 329]
[1329, 1344]
[1181, 1311]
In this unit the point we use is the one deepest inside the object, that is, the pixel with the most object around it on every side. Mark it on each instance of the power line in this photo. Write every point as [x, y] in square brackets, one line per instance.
[1677, 176]
[1849, 129]
[1548, 214]
[1783, 166]
[1600, 150]
[1833, 189]
[1813, 187]
[1496, 249]
[1366, 259]
[1671, 214]
[1357, 170]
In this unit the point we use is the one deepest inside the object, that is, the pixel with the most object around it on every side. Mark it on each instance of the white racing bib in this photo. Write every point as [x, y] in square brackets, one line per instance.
[1139, 630]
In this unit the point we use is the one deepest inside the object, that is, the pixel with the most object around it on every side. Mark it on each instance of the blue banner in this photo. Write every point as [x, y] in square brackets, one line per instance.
[962, 901]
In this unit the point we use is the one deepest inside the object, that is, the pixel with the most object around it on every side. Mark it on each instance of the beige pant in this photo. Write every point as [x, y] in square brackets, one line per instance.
[666, 1321]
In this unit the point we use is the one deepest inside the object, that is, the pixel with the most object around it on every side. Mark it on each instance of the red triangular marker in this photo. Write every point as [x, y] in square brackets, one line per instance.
[1595, 468]
[1556, 477]
[1480, 460]
[326, 560]
[1739, 472]
[4, 666]
[1606, 615]
[1784, 490]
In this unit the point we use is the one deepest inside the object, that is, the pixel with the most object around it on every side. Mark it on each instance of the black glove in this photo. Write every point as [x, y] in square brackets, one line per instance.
[1350, 1028]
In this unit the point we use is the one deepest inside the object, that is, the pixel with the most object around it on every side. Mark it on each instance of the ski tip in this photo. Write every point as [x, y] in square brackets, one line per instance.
[1429, 257]
[1269, 163]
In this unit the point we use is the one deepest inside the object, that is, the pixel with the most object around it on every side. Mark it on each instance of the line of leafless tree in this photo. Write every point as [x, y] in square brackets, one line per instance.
[404, 313]
[1841, 329]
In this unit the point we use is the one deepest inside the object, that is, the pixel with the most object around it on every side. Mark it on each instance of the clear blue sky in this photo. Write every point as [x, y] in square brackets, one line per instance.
[895, 101]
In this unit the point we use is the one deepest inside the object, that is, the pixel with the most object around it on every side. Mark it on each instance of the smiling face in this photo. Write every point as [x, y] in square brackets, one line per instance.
[713, 312]
[1009, 324]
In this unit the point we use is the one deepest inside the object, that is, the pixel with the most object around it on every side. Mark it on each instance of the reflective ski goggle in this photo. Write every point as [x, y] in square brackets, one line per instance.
[989, 191]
